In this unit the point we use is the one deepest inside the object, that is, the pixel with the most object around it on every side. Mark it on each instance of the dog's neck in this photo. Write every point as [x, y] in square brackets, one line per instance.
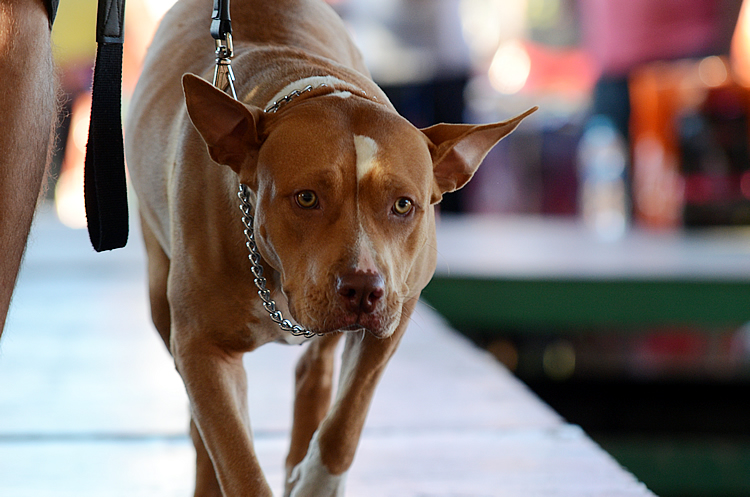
[339, 88]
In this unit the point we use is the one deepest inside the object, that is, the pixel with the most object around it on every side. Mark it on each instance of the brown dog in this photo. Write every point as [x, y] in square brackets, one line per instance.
[342, 191]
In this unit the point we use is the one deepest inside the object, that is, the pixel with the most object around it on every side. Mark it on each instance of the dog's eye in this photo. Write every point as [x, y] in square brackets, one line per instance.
[403, 206]
[307, 199]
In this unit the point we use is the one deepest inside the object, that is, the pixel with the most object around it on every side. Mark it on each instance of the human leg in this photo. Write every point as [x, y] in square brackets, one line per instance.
[28, 103]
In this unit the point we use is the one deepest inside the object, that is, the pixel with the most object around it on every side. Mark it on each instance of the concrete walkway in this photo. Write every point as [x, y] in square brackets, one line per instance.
[90, 403]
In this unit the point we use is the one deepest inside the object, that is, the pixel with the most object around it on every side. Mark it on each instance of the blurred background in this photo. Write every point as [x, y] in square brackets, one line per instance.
[640, 143]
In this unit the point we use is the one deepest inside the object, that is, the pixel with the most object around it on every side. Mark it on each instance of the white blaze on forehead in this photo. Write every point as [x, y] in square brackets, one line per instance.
[367, 256]
[366, 149]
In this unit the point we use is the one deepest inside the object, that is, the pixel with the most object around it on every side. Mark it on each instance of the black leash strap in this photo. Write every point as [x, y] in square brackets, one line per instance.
[105, 188]
[221, 23]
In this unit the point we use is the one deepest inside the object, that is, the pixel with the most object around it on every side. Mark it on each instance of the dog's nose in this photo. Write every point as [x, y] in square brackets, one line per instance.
[361, 291]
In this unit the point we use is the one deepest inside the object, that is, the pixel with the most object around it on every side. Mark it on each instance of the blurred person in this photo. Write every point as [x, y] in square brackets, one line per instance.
[416, 52]
[624, 35]
[28, 106]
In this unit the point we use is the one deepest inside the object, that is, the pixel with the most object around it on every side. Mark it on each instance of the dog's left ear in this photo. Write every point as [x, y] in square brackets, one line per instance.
[229, 127]
[458, 150]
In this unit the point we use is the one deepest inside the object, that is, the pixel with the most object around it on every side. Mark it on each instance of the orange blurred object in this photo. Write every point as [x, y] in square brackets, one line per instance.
[660, 94]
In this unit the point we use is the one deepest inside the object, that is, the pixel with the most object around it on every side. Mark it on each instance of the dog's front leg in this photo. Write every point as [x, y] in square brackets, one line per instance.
[206, 483]
[322, 472]
[216, 384]
[312, 396]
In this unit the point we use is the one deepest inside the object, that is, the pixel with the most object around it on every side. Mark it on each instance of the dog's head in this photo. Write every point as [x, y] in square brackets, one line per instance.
[345, 190]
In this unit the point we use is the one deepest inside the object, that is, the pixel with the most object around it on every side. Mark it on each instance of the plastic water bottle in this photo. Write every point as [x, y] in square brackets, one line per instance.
[602, 195]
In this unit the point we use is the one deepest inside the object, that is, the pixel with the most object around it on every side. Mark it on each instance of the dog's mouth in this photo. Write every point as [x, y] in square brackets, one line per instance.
[339, 320]
[346, 324]
[371, 324]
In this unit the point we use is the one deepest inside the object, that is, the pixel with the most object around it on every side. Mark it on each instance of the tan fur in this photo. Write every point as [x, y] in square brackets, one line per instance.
[204, 302]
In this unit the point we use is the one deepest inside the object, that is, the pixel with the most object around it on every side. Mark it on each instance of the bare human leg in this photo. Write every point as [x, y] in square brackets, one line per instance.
[28, 105]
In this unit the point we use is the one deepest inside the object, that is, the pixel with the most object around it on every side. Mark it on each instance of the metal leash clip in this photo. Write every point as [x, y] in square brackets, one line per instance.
[221, 31]
[223, 74]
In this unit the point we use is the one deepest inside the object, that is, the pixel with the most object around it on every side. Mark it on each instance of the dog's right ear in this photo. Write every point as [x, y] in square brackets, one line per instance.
[229, 127]
[458, 150]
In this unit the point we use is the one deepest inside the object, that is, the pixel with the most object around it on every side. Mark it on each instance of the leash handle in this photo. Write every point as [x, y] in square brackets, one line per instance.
[105, 185]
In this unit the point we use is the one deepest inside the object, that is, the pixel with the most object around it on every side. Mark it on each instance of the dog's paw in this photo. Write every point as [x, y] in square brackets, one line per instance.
[311, 478]
[314, 482]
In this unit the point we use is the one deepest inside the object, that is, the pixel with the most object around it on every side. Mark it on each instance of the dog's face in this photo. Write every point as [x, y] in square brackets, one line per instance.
[344, 210]
[345, 190]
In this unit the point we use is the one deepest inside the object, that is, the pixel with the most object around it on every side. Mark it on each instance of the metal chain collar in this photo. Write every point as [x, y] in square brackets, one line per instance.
[221, 30]
[278, 104]
[260, 282]
[272, 108]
